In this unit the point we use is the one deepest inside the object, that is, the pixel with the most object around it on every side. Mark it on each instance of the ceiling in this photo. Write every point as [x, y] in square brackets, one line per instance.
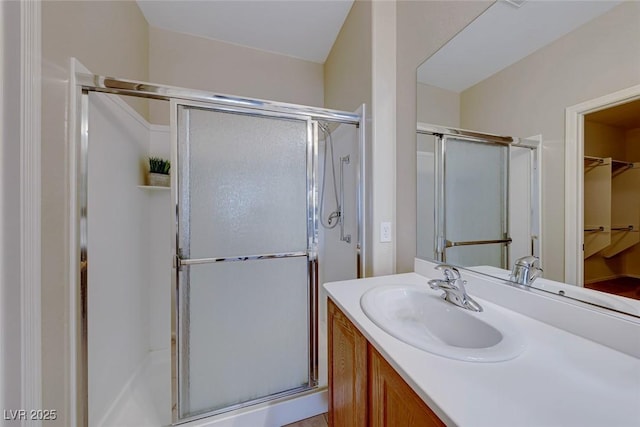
[503, 35]
[304, 29]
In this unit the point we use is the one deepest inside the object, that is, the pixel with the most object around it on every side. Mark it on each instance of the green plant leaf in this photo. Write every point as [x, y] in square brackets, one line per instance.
[159, 165]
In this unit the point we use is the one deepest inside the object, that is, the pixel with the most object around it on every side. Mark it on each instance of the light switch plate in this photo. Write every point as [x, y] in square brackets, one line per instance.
[385, 232]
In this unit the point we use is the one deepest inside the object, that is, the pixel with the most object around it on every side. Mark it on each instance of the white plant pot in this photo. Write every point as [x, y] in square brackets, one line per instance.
[159, 180]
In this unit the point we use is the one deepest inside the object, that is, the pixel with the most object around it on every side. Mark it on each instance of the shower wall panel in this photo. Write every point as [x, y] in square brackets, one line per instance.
[159, 250]
[117, 251]
[338, 258]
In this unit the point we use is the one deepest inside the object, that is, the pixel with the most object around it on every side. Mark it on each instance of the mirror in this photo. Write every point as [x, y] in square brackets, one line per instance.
[513, 72]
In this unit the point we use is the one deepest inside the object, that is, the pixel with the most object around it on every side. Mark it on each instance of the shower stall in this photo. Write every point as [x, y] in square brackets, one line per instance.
[200, 304]
[477, 197]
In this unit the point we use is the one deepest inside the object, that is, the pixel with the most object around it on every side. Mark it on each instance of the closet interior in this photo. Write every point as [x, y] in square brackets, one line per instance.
[612, 200]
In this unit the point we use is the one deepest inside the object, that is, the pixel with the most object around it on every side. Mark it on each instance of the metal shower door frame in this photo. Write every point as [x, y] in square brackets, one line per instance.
[82, 83]
[440, 223]
[180, 231]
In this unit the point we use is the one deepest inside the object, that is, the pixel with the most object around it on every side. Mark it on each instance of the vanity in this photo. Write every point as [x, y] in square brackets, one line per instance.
[554, 372]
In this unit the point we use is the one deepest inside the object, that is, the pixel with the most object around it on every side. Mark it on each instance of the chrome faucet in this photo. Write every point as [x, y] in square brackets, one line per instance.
[453, 287]
[526, 270]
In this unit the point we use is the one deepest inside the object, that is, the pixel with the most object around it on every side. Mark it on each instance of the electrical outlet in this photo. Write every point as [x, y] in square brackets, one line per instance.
[385, 232]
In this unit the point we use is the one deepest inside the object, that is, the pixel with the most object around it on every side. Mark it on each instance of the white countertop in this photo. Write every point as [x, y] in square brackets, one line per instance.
[559, 380]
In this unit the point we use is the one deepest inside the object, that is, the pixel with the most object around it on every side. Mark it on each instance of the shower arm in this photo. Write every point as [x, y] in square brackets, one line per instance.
[343, 238]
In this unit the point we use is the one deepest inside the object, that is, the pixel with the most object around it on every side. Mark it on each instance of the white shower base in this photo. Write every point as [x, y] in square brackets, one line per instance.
[145, 401]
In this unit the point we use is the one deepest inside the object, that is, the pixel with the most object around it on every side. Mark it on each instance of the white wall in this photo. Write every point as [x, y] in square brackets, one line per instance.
[10, 360]
[530, 97]
[118, 303]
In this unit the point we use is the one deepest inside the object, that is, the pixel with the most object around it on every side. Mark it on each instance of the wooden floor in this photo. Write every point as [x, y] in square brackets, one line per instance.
[317, 421]
[624, 286]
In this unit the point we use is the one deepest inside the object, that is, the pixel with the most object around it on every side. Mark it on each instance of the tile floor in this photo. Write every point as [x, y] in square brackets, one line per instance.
[317, 421]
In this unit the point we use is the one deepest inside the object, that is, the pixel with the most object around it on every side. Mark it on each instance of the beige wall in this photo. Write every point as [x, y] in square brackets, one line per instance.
[530, 97]
[422, 28]
[199, 63]
[601, 140]
[632, 138]
[438, 106]
[347, 70]
[109, 38]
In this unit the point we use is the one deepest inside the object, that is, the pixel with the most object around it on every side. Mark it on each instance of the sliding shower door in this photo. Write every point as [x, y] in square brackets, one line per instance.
[245, 261]
[472, 199]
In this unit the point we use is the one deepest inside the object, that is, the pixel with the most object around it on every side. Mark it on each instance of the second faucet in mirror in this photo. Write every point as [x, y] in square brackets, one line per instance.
[526, 270]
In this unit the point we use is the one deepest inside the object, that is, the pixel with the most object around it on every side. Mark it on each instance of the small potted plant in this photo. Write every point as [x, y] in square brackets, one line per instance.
[159, 172]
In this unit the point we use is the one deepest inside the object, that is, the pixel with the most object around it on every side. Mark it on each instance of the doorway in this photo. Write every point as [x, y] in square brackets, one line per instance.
[612, 200]
[600, 173]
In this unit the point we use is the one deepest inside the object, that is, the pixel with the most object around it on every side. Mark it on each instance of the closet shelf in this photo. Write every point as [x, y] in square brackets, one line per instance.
[618, 167]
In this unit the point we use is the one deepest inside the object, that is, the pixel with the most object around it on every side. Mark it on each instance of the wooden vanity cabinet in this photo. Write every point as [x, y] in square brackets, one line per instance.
[364, 390]
[347, 371]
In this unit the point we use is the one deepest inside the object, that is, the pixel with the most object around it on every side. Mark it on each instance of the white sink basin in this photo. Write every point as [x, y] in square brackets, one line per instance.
[419, 317]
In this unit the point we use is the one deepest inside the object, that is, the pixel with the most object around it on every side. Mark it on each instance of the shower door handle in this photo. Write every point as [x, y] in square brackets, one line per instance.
[181, 262]
[343, 238]
[450, 244]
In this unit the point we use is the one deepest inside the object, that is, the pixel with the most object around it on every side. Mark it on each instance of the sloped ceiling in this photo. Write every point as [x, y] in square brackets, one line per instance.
[304, 29]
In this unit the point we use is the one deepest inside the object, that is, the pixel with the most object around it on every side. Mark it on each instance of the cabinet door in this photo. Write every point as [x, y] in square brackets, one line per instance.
[391, 401]
[347, 372]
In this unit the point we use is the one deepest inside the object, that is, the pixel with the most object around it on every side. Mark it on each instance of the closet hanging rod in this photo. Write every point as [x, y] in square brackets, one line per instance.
[594, 229]
[622, 162]
[627, 228]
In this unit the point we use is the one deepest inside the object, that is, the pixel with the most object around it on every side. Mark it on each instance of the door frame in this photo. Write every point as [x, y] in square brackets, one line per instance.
[574, 178]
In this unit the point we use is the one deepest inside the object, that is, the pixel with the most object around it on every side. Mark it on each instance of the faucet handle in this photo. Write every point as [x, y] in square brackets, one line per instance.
[450, 272]
[529, 261]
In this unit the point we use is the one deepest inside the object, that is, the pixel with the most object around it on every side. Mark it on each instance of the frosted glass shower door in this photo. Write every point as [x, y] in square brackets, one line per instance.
[244, 282]
[474, 205]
